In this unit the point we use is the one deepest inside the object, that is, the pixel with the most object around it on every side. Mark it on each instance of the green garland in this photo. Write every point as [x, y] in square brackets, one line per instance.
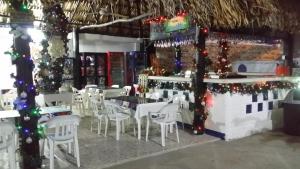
[244, 88]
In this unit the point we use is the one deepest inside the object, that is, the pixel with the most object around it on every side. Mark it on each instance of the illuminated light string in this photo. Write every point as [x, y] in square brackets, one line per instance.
[216, 88]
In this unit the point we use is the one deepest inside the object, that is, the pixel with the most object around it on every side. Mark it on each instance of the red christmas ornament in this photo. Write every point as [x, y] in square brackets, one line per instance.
[204, 53]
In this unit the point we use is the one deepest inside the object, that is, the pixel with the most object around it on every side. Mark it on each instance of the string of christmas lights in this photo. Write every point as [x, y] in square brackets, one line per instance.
[256, 88]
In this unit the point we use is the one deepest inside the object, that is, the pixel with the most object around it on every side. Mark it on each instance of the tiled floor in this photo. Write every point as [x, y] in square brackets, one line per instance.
[97, 151]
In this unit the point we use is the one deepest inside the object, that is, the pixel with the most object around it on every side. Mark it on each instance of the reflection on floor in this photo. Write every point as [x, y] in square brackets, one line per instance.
[97, 151]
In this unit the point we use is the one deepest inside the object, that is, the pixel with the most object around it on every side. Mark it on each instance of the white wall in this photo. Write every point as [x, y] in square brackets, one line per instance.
[6, 67]
[103, 43]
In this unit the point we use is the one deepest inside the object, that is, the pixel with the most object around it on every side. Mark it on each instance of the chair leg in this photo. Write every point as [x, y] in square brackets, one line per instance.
[123, 126]
[106, 125]
[51, 154]
[77, 152]
[134, 130]
[162, 128]
[118, 130]
[12, 156]
[147, 129]
[177, 132]
[42, 147]
[92, 121]
[166, 130]
[99, 125]
[70, 148]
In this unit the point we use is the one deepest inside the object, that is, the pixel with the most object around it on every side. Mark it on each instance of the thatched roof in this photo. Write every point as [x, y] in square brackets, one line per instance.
[279, 15]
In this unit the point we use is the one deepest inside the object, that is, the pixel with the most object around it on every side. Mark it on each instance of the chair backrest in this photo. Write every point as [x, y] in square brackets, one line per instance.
[7, 103]
[7, 133]
[65, 126]
[95, 105]
[90, 86]
[169, 112]
[178, 98]
[111, 108]
[155, 96]
[74, 90]
[127, 90]
[125, 104]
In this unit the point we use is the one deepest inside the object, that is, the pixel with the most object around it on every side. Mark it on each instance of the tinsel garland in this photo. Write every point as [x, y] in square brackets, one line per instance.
[244, 88]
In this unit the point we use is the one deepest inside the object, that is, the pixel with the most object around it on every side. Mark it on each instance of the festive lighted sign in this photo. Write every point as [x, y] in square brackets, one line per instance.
[177, 23]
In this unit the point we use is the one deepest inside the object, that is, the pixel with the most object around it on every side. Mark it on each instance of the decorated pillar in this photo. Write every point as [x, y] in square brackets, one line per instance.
[200, 86]
[56, 28]
[178, 63]
[27, 124]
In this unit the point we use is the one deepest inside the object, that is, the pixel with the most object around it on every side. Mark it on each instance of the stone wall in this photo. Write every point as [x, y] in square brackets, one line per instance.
[237, 51]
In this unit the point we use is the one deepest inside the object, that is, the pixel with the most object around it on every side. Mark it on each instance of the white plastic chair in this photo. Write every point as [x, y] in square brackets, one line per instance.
[77, 99]
[165, 117]
[90, 93]
[115, 113]
[98, 113]
[7, 142]
[65, 132]
[180, 100]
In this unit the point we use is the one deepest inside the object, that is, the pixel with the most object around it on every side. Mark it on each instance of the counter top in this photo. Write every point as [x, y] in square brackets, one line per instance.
[236, 80]
[254, 79]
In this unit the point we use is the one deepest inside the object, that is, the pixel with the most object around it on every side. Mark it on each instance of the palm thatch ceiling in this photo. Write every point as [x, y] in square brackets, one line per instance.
[280, 15]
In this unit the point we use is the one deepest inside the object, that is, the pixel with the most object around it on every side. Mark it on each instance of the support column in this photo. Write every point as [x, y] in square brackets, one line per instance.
[178, 64]
[199, 85]
[27, 125]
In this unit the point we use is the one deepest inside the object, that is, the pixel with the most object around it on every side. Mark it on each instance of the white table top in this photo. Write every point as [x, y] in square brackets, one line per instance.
[44, 110]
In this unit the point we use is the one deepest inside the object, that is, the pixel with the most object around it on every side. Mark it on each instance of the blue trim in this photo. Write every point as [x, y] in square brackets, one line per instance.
[207, 131]
[215, 133]
[188, 126]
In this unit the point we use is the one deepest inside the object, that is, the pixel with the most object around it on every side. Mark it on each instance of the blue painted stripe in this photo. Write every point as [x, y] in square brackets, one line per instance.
[207, 131]
[215, 133]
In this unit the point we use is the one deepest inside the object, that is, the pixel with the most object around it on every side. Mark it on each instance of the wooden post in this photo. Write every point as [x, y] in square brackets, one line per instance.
[199, 85]
[77, 61]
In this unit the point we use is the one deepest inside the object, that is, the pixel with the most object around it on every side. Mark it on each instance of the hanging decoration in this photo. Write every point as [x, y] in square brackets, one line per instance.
[223, 65]
[142, 82]
[244, 88]
[180, 86]
[56, 47]
[49, 76]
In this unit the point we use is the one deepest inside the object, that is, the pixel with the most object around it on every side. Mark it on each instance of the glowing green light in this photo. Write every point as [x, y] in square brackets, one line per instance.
[35, 112]
[19, 127]
[24, 7]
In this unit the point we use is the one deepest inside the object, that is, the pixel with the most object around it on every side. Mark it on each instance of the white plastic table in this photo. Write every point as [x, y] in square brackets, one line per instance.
[44, 110]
